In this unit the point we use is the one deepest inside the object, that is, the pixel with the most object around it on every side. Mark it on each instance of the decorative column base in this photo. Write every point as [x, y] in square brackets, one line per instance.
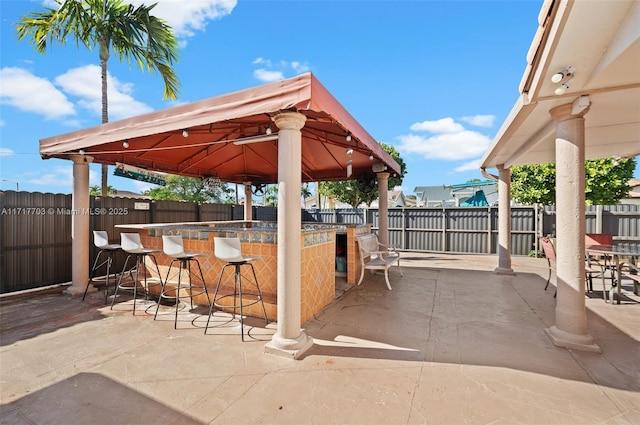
[572, 341]
[76, 291]
[289, 348]
[504, 271]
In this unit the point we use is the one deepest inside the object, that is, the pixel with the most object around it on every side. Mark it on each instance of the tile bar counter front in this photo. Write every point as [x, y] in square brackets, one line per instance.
[259, 238]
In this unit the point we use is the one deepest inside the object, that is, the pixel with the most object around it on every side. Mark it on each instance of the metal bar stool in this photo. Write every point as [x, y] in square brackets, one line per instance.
[132, 245]
[173, 247]
[101, 241]
[228, 249]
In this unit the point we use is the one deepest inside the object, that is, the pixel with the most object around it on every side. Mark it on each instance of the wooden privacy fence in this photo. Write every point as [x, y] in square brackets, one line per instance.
[35, 228]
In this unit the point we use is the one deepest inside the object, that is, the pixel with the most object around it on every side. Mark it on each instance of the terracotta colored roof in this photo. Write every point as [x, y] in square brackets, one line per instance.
[156, 142]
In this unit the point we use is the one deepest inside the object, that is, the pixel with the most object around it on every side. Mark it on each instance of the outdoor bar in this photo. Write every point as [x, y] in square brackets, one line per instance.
[285, 133]
[319, 244]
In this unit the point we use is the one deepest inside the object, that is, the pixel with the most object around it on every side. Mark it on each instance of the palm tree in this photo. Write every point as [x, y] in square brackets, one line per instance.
[305, 192]
[132, 33]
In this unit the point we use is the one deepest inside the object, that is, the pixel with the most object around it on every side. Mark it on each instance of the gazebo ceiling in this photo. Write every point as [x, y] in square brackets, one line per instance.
[157, 141]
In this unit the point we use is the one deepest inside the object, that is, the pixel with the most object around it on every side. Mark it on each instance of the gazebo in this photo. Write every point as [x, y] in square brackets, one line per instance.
[579, 99]
[284, 132]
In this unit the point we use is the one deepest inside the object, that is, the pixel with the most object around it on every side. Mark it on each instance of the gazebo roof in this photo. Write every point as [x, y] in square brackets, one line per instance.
[218, 128]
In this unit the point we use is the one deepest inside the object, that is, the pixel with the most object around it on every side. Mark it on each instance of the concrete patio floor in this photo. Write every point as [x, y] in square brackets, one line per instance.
[453, 343]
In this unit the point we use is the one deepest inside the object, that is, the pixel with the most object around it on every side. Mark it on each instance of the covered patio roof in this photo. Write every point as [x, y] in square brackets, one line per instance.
[219, 132]
[601, 42]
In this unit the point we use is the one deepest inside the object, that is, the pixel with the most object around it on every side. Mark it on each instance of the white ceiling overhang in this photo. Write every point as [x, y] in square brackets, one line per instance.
[601, 40]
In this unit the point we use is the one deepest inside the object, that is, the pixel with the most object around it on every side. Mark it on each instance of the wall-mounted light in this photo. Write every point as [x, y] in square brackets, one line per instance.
[559, 76]
[268, 130]
[348, 136]
[564, 86]
[125, 144]
[564, 78]
[370, 157]
[185, 133]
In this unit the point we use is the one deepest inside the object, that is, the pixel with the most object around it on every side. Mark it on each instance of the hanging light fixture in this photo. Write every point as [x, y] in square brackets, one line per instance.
[185, 133]
[125, 144]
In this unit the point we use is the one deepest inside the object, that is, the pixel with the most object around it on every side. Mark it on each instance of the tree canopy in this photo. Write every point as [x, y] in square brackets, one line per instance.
[95, 190]
[132, 33]
[181, 188]
[350, 191]
[606, 182]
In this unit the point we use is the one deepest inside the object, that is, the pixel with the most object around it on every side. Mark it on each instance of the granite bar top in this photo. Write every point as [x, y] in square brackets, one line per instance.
[247, 231]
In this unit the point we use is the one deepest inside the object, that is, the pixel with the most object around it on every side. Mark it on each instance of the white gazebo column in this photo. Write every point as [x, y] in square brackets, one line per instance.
[504, 221]
[80, 225]
[570, 329]
[383, 208]
[248, 202]
[289, 340]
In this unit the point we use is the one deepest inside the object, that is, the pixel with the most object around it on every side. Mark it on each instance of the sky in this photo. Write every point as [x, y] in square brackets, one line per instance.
[434, 79]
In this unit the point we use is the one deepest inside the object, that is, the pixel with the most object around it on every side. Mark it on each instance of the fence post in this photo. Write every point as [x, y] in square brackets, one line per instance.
[599, 213]
[536, 228]
[489, 230]
[404, 228]
[444, 229]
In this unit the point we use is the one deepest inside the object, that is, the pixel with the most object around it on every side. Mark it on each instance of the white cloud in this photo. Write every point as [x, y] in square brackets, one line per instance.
[299, 67]
[143, 186]
[274, 72]
[261, 61]
[84, 82]
[188, 17]
[185, 17]
[449, 141]
[58, 176]
[469, 166]
[23, 90]
[480, 120]
[6, 152]
[268, 76]
[443, 125]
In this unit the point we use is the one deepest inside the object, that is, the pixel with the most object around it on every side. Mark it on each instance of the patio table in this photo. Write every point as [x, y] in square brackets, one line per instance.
[614, 252]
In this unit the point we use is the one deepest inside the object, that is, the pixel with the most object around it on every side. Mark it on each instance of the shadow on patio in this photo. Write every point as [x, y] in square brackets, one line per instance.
[453, 342]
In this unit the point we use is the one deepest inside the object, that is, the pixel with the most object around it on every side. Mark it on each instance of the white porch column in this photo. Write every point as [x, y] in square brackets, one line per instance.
[504, 221]
[248, 202]
[570, 329]
[383, 208]
[80, 225]
[289, 340]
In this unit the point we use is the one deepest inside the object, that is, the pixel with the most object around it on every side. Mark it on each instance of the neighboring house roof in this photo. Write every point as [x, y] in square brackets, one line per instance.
[432, 195]
[635, 189]
[396, 199]
[128, 194]
[477, 200]
[454, 195]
